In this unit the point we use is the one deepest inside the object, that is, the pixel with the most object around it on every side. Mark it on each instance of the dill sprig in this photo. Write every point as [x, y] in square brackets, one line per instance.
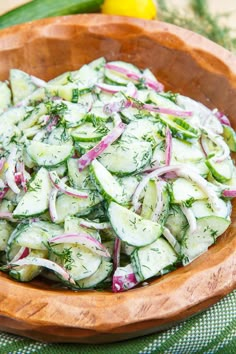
[199, 19]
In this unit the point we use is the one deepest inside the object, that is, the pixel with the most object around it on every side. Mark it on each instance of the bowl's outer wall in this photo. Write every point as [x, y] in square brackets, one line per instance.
[184, 62]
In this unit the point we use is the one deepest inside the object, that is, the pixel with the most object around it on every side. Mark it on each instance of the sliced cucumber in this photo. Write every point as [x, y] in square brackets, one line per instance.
[5, 94]
[36, 199]
[74, 114]
[131, 228]
[202, 208]
[37, 234]
[21, 85]
[67, 205]
[104, 270]
[72, 225]
[80, 180]
[150, 201]
[90, 132]
[125, 158]
[184, 191]
[32, 115]
[221, 171]
[197, 242]
[28, 272]
[5, 232]
[143, 129]
[69, 92]
[230, 137]
[78, 261]
[59, 136]
[106, 184]
[176, 222]
[148, 261]
[129, 185]
[49, 155]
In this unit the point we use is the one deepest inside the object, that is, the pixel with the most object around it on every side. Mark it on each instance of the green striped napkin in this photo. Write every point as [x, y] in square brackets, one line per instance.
[211, 332]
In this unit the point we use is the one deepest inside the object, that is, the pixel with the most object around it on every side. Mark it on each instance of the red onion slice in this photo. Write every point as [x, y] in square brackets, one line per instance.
[10, 172]
[83, 239]
[95, 225]
[110, 88]
[116, 256]
[171, 239]
[4, 192]
[22, 253]
[222, 118]
[60, 185]
[190, 217]
[202, 184]
[160, 187]
[229, 193]
[98, 149]
[123, 279]
[155, 85]
[158, 172]
[52, 205]
[42, 262]
[170, 111]
[168, 146]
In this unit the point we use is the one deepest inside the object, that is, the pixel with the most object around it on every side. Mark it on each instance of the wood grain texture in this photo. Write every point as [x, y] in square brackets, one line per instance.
[186, 63]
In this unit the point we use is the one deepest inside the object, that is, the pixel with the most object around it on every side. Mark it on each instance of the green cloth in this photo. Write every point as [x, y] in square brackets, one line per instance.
[211, 332]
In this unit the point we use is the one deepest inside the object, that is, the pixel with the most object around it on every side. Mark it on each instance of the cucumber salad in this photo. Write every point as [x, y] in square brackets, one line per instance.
[108, 180]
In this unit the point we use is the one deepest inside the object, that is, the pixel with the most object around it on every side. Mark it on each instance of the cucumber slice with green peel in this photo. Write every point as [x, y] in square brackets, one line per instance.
[117, 78]
[202, 208]
[5, 94]
[150, 201]
[13, 115]
[176, 222]
[70, 92]
[59, 136]
[90, 132]
[184, 191]
[21, 85]
[143, 129]
[73, 114]
[133, 114]
[5, 232]
[79, 180]
[78, 261]
[183, 131]
[72, 225]
[37, 234]
[27, 273]
[129, 185]
[107, 185]
[32, 116]
[221, 171]
[195, 243]
[131, 228]
[67, 205]
[126, 157]
[104, 270]
[49, 155]
[36, 199]
[161, 101]
[229, 136]
[150, 260]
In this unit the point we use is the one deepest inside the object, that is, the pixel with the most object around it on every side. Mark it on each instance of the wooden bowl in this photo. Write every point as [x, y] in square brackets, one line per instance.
[185, 62]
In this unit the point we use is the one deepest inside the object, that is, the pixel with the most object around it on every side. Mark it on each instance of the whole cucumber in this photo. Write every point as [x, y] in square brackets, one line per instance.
[37, 9]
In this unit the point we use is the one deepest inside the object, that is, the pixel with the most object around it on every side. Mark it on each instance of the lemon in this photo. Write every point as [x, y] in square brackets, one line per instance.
[145, 9]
